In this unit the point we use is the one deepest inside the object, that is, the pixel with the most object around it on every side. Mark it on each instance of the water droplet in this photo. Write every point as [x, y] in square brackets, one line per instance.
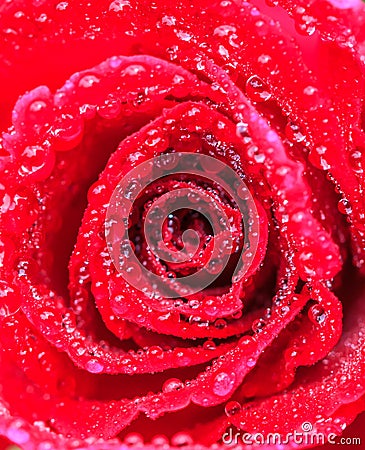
[344, 206]
[37, 110]
[131, 191]
[220, 324]
[194, 304]
[36, 162]
[167, 161]
[9, 302]
[310, 90]
[169, 21]
[317, 157]
[45, 445]
[94, 366]
[305, 259]
[259, 158]
[305, 24]
[258, 325]
[246, 340]
[232, 408]
[183, 35]
[223, 384]
[284, 310]
[172, 52]
[19, 209]
[17, 433]
[344, 4]
[251, 362]
[87, 81]
[237, 314]
[356, 161]
[160, 441]
[110, 109]
[81, 351]
[182, 359]
[211, 165]
[214, 266]
[119, 5]
[264, 59]
[134, 69]
[153, 138]
[257, 90]
[134, 440]
[156, 351]
[181, 440]
[133, 273]
[173, 384]
[209, 345]
[87, 111]
[224, 30]
[62, 6]
[241, 129]
[294, 132]
[316, 314]
[68, 132]
[194, 197]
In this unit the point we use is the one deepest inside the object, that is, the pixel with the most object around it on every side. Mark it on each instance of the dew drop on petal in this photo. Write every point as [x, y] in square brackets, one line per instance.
[133, 273]
[316, 314]
[156, 351]
[223, 384]
[258, 325]
[173, 384]
[264, 59]
[167, 161]
[181, 440]
[356, 161]
[88, 81]
[194, 304]
[215, 266]
[241, 129]
[16, 432]
[62, 6]
[110, 109]
[306, 263]
[237, 314]
[257, 90]
[310, 90]
[317, 157]
[232, 408]
[251, 362]
[68, 132]
[87, 111]
[209, 345]
[9, 302]
[220, 324]
[345, 4]
[36, 162]
[94, 366]
[168, 20]
[294, 132]
[134, 440]
[344, 206]
[153, 138]
[160, 441]
[119, 5]
[38, 112]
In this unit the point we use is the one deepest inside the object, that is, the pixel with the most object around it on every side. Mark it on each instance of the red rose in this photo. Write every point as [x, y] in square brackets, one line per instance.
[182, 223]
